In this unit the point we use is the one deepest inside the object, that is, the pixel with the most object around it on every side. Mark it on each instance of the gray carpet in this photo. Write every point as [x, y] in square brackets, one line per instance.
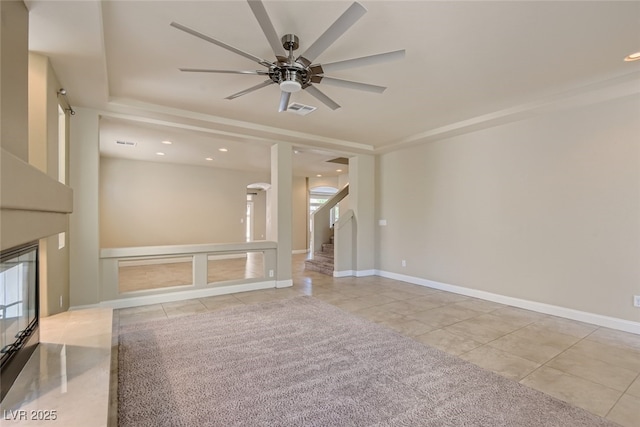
[301, 362]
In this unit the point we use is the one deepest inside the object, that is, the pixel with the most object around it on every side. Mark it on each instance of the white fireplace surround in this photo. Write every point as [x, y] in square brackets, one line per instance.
[33, 205]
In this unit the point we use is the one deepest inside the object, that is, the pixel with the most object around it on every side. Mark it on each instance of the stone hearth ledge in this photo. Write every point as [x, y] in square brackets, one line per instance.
[67, 377]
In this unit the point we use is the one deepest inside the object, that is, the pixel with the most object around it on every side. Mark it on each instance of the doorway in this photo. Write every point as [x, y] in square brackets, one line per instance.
[249, 221]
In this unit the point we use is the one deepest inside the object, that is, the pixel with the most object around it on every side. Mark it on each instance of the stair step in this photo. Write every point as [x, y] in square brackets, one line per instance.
[320, 267]
[327, 247]
[323, 256]
[322, 261]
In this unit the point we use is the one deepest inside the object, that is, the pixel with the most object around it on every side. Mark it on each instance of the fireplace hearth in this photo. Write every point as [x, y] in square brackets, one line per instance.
[19, 311]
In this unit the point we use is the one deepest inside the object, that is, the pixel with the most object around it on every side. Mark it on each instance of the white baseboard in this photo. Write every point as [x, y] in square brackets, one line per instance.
[300, 251]
[356, 273]
[554, 310]
[284, 283]
[364, 273]
[344, 273]
[179, 296]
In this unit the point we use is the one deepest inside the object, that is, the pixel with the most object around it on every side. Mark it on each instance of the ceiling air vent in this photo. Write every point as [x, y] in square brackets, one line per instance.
[127, 143]
[300, 109]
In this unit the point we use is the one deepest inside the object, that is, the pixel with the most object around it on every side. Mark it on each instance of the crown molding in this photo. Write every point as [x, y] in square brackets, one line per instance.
[617, 87]
[158, 114]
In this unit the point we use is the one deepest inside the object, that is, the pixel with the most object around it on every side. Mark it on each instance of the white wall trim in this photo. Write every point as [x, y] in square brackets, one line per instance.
[622, 85]
[356, 273]
[344, 273]
[188, 250]
[177, 260]
[284, 283]
[300, 251]
[554, 310]
[179, 296]
[184, 119]
[364, 273]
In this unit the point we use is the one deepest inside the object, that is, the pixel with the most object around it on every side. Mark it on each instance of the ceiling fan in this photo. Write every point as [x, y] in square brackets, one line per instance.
[294, 74]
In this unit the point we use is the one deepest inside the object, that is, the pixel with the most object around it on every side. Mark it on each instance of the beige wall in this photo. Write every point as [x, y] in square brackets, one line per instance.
[545, 209]
[260, 215]
[300, 214]
[325, 181]
[14, 60]
[28, 130]
[43, 154]
[148, 203]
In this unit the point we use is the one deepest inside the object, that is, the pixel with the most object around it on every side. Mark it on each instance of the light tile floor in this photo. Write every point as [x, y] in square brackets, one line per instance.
[595, 368]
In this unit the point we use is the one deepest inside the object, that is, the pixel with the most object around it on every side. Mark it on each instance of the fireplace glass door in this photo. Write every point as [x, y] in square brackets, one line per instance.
[18, 306]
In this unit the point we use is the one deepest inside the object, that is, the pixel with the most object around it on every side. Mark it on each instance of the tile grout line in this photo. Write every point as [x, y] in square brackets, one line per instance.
[495, 339]
[540, 365]
[623, 393]
[585, 379]
[559, 354]
[165, 311]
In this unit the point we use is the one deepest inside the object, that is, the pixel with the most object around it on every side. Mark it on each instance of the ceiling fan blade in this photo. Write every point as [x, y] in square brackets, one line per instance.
[352, 85]
[316, 93]
[251, 89]
[257, 7]
[333, 33]
[360, 62]
[204, 70]
[221, 44]
[284, 101]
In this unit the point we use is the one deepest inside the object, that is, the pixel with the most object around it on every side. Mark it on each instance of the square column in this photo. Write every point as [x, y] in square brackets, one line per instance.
[280, 210]
[84, 222]
[361, 200]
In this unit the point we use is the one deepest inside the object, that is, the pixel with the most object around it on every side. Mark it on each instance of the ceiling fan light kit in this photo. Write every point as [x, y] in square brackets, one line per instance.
[290, 86]
[293, 74]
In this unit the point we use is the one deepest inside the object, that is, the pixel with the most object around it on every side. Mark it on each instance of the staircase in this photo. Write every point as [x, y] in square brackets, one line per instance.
[322, 261]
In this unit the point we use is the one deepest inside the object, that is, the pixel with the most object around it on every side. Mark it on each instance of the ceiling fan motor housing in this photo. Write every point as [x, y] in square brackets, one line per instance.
[290, 74]
[290, 42]
[293, 74]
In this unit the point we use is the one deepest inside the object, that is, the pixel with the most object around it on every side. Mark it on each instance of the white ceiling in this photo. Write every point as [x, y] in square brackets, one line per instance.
[194, 147]
[466, 63]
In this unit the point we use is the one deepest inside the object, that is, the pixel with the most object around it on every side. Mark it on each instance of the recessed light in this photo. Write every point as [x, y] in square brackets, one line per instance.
[338, 170]
[319, 176]
[160, 153]
[167, 142]
[633, 57]
[296, 151]
[224, 150]
[209, 158]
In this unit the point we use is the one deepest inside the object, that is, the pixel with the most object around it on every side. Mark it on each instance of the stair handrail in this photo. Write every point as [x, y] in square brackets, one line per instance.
[321, 233]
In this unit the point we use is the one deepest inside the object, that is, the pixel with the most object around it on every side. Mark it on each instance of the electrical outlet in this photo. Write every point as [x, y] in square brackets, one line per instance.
[270, 273]
[636, 300]
[404, 262]
[60, 301]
